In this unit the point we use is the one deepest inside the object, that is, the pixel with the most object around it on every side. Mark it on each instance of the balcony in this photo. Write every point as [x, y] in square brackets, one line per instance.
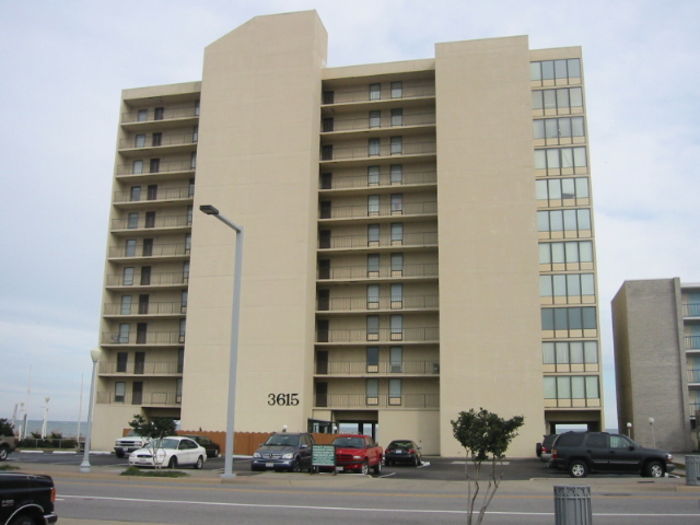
[174, 279]
[141, 252]
[148, 368]
[361, 242]
[150, 309]
[411, 92]
[338, 401]
[422, 335]
[385, 181]
[160, 171]
[386, 211]
[385, 154]
[694, 377]
[363, 369]
[169, 116]
[691, 310]
[362, 273]
[181, 194]
[162, 339]
[168, 143]
[694, 407]
[341, 125]
[572, 403]
[363, 305]
[692, 342]
[149, 399]
[169, 223]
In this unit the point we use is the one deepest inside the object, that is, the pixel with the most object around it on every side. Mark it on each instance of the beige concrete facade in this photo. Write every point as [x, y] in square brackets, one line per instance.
[394, 217]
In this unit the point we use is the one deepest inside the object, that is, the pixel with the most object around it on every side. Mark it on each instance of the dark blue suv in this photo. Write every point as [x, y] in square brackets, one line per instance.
[284, 451]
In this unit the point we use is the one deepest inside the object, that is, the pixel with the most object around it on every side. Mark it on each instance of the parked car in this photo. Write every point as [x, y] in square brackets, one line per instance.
[358, 452]
[583, 452]
[284, 451]
[127, 444]
[545, 448]
[171, 452]
[26, 499]
[7, 445]
[213, 449]
[402, 451]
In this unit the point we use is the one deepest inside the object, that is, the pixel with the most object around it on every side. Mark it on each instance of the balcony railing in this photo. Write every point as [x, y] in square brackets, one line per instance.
[694, 407]
[383, 303]
[361, 152]
[362, 95]
[430, 367]
[385, 121]
[150, 338]
[361, 181]
[387, 210]
[694, 376]
[360, 335]
[146, 368]
[162, 194]
[384, 272]
[160, 250]
[150, 308]
[163, 167]
[691, 309]
[166, 140]
[170, 113]
[361, 241]
[146, 399]
[692, 342]
[381, 401]
[161, 221]
[158, 279]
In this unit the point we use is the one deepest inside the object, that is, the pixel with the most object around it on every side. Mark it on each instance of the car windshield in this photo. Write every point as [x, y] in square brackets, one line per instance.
[406, 444]
[166, 443]
[349, 442]
[282, 440]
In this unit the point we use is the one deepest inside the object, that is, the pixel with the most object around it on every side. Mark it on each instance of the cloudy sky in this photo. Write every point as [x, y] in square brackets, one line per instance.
[65, 62]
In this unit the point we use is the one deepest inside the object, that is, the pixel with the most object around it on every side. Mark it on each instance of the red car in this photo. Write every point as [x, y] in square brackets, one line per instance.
[359, 453]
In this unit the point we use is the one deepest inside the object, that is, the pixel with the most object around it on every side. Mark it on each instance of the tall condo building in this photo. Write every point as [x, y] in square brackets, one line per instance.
[419, 241]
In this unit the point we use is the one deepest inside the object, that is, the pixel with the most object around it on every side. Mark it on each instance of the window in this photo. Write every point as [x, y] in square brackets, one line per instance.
[375, 91]
[135, 193]
[572, 252]
[620, 442]
[562, 100]
[137, 167]
[373, 359]
[196, 108]
[372, 296]
[136, 392]
[373, 234]
[372, 175]
[185, 272]
[396, 327]
[183, 301]
[396, 264]
[560, 189]
[128, 276]
[145, 275]
[570, 352]
[396, 233]
[158, 113]
[372, 391]
[154, 165]
[396, 359]
[556, 128]
[130, 248]
[372, 327]
[373, 205]
[152, 192]
[394, 391]
[397, 89]
[119, 391]
[195, 134]
[327, 124]
[571, 286]
[150, 219]
[555, 160]
[576, 220]
[327, 152]
[139, 141]
[132, 220]
[396, 173]
[125, 306]
[326, 181]
[188, 216]
[190, 188]
[143, 303]
[396, 203]
[178, 390]
[182, 331]
[397, 295]
[141, 333]
[328, 97]
[188, 243]
[563, 69]
[123, 337]
[375, 119]
[397, 117]
[396, 145]
[122, 358]
[142, 115]
[147, 248]
[373, 265]
[576, 318]
[571, 387]
[373, 147]
[193, 160]
[156, 139]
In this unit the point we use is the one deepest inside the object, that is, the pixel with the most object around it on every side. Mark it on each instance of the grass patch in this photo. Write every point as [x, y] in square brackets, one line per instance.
[6, 466]
[159, 473]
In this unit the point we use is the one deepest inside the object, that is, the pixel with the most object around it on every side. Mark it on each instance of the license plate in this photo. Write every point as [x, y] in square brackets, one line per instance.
[398, 452]
[339, 469]
[269, 465]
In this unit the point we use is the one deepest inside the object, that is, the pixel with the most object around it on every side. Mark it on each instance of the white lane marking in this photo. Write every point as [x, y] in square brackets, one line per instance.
[363, 509]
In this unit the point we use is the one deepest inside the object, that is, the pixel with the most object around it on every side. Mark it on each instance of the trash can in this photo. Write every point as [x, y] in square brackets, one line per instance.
[692, 470]
[572, 505]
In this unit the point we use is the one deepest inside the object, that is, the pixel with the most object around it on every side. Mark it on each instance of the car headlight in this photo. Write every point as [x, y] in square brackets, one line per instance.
[288, 455]
[669, 457]
[257, 455]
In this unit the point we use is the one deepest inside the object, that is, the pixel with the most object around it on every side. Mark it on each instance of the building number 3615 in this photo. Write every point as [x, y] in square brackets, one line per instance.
[283, 400]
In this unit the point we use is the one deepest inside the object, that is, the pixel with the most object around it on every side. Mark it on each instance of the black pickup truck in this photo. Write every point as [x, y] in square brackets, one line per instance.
[26, 499]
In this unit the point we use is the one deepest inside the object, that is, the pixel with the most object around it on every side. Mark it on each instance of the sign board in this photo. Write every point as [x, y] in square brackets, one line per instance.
[323, 456]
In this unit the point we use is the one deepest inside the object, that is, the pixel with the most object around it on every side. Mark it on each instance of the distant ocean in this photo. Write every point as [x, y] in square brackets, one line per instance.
[67, 429]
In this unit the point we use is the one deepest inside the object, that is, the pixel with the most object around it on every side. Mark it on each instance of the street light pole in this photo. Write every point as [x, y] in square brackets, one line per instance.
[233, 358]
[85, 465]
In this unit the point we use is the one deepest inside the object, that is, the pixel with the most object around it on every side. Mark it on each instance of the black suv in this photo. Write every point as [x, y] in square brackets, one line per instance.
[284, 451]
[26, 499]
[583, 452]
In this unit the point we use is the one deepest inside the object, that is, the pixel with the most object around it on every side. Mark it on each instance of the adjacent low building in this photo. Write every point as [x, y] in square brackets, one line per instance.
[419, 241]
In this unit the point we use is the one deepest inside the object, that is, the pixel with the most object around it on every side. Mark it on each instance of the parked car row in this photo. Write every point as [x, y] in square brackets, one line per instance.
[353, 452]
[581, 453]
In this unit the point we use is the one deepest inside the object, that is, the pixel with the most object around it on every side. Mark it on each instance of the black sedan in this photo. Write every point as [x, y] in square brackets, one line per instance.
[402, 451]
[213, 449]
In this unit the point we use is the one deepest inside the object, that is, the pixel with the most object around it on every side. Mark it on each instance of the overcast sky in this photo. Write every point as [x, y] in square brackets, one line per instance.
[65, 62]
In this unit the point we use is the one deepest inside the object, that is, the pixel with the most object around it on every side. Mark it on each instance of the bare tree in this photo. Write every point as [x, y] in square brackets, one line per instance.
[155, 429]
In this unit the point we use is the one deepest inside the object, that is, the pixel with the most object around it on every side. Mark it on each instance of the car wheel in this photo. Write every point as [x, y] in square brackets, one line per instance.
[23, 519]
[364, 469]
[173, 462]
[119, 454]
[654, 469]
[200, 463]
[254, 468]
[377, 469]
[578, 469]
[3, 453]
[295, 466]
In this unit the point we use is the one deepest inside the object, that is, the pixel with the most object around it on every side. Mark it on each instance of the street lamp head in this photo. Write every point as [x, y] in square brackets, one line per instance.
[629, 425]
[209, 209]
[95, 355]
[651, 420]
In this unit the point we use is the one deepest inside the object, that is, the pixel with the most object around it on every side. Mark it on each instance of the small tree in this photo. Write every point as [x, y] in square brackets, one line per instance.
[483, 434]
[155, 429]
[6, 427]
